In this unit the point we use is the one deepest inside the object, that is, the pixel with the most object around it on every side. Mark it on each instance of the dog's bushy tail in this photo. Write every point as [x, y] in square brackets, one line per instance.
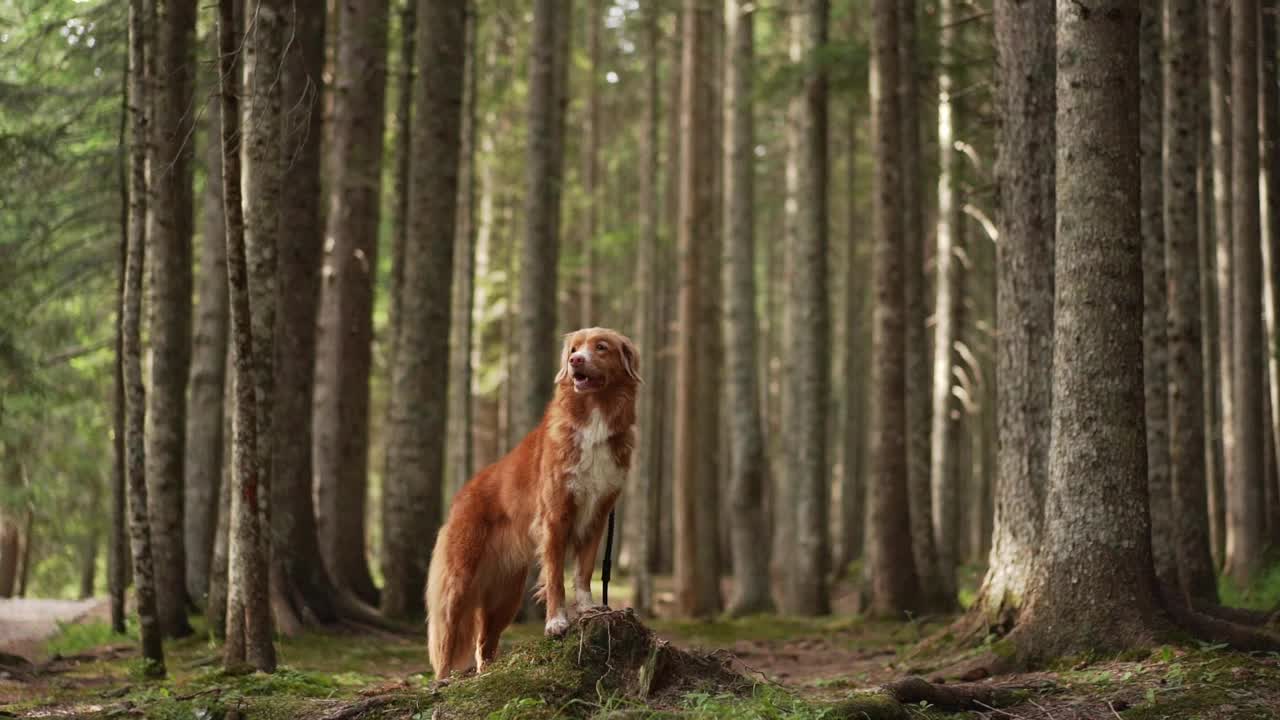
[451, 627]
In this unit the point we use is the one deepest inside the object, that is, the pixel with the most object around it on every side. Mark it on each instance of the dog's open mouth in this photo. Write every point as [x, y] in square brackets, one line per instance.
[582, 381]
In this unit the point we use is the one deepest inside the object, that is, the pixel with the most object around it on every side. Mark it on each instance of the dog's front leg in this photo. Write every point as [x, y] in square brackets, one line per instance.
[555, 536]
[586, 553]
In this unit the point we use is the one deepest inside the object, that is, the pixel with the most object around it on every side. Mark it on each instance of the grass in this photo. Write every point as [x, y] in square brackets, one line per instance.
[1262, 594]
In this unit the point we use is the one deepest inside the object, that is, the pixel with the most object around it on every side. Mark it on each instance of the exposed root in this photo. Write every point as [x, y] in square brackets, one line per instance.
[951, 698]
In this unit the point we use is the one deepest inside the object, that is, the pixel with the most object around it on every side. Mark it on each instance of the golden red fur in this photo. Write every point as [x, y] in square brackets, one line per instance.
[551, 495]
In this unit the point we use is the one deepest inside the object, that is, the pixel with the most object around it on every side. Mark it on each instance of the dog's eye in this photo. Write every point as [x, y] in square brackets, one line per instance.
[601, 347]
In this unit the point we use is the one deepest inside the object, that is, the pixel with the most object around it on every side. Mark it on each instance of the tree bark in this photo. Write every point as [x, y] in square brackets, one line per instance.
[696, 569]
[251, 239]
[461, 453]
[169, 230]
[344, 354]
[216, 609]
[1219, 26]
[301, 585]
[415, 442]
[1209, 357]
[747, 466]
[643, 493]
[1244, 482]
[1097, 532]
[1269, 129]
[591, 180]
[118, 559]
[540, 251]
[808, 325]
[1154, 335]
[404, 151]
[203, 465]
[149, 627]
[926, 546]
[854, 421]
[1024, 305]
[894, 584]
[940, 580]
[1187, 446]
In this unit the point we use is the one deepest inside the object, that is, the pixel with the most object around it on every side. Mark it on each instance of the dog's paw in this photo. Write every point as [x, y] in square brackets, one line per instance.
[557, 625]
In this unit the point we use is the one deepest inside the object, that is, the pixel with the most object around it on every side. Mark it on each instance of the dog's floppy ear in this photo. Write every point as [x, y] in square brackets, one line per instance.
[564, 359]
[631, 359]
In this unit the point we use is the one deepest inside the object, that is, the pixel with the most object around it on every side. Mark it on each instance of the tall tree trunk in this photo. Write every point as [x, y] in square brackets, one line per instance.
[89, 546]
[894, 584]
[808, 325]
[169, 230]
[216, 608]
[461, 453]
[1154, 336]
[1219, 52]
[251, 249]
[696, 569]
[404, 151]
[1269, 128]
[203, 465]
[643, 494]
[747, 466]
[1097, 536]
[591, 180]
[940, 580]
[1187, 446]
[149, 627]
[415, 443]
[10, 530]
[118, 558]
[1024, 306]
[854, 425]
[540, 251]
[1209, 357]
[1244, 483]
[345, 354]
[301, 584]
[926, 545]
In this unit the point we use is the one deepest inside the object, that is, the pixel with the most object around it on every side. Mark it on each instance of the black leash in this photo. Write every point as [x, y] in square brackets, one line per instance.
[607, 562]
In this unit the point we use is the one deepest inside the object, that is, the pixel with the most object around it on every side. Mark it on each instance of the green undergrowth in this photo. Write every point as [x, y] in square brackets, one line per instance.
[1261, 594]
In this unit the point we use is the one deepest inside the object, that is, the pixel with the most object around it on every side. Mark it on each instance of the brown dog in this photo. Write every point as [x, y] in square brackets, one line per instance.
[551, 495]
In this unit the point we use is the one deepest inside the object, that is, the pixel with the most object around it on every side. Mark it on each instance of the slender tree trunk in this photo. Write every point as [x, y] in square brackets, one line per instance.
[89, 547]
[1244, 483]
[404, 151]
[10, 532]
[696, 569]
[1024, 306]
[118, 559]
[643, 495]
[1154, 336]
[149, 626]
[541, 247]
[169, 230]
[216, 609]
[943, 494]
[1269, 128]
[1187, 446]
[591, 179]
[251, 248]
[1097, 536]
[747, 466]
[203, 465]
[1210, 359]
[301, 587]
[1221, 133]
[894, 584]
[345, 355]
[415, 442]
[461, 452]
[925, 546]
[853, 435]
[808, 326]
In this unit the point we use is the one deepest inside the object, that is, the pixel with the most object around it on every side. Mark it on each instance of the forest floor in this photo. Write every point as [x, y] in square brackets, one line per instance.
[610, 666]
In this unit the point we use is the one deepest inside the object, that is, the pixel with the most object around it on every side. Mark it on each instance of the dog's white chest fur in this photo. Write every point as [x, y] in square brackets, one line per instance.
[597, 473]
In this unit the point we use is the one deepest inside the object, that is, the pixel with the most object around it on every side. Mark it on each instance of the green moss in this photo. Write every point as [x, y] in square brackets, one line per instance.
[1263, 593]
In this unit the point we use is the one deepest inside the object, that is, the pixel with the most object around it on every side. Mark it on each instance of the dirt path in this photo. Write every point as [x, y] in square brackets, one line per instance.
[25, 623]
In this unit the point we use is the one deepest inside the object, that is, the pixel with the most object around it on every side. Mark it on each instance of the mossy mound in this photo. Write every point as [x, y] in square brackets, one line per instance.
[607, 659]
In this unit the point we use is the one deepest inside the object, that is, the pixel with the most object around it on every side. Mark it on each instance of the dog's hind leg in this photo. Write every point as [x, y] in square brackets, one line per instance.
[495, 619]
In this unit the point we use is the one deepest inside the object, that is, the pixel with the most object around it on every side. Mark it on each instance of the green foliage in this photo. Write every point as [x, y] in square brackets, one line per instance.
[74, 638]
[1262, 594]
